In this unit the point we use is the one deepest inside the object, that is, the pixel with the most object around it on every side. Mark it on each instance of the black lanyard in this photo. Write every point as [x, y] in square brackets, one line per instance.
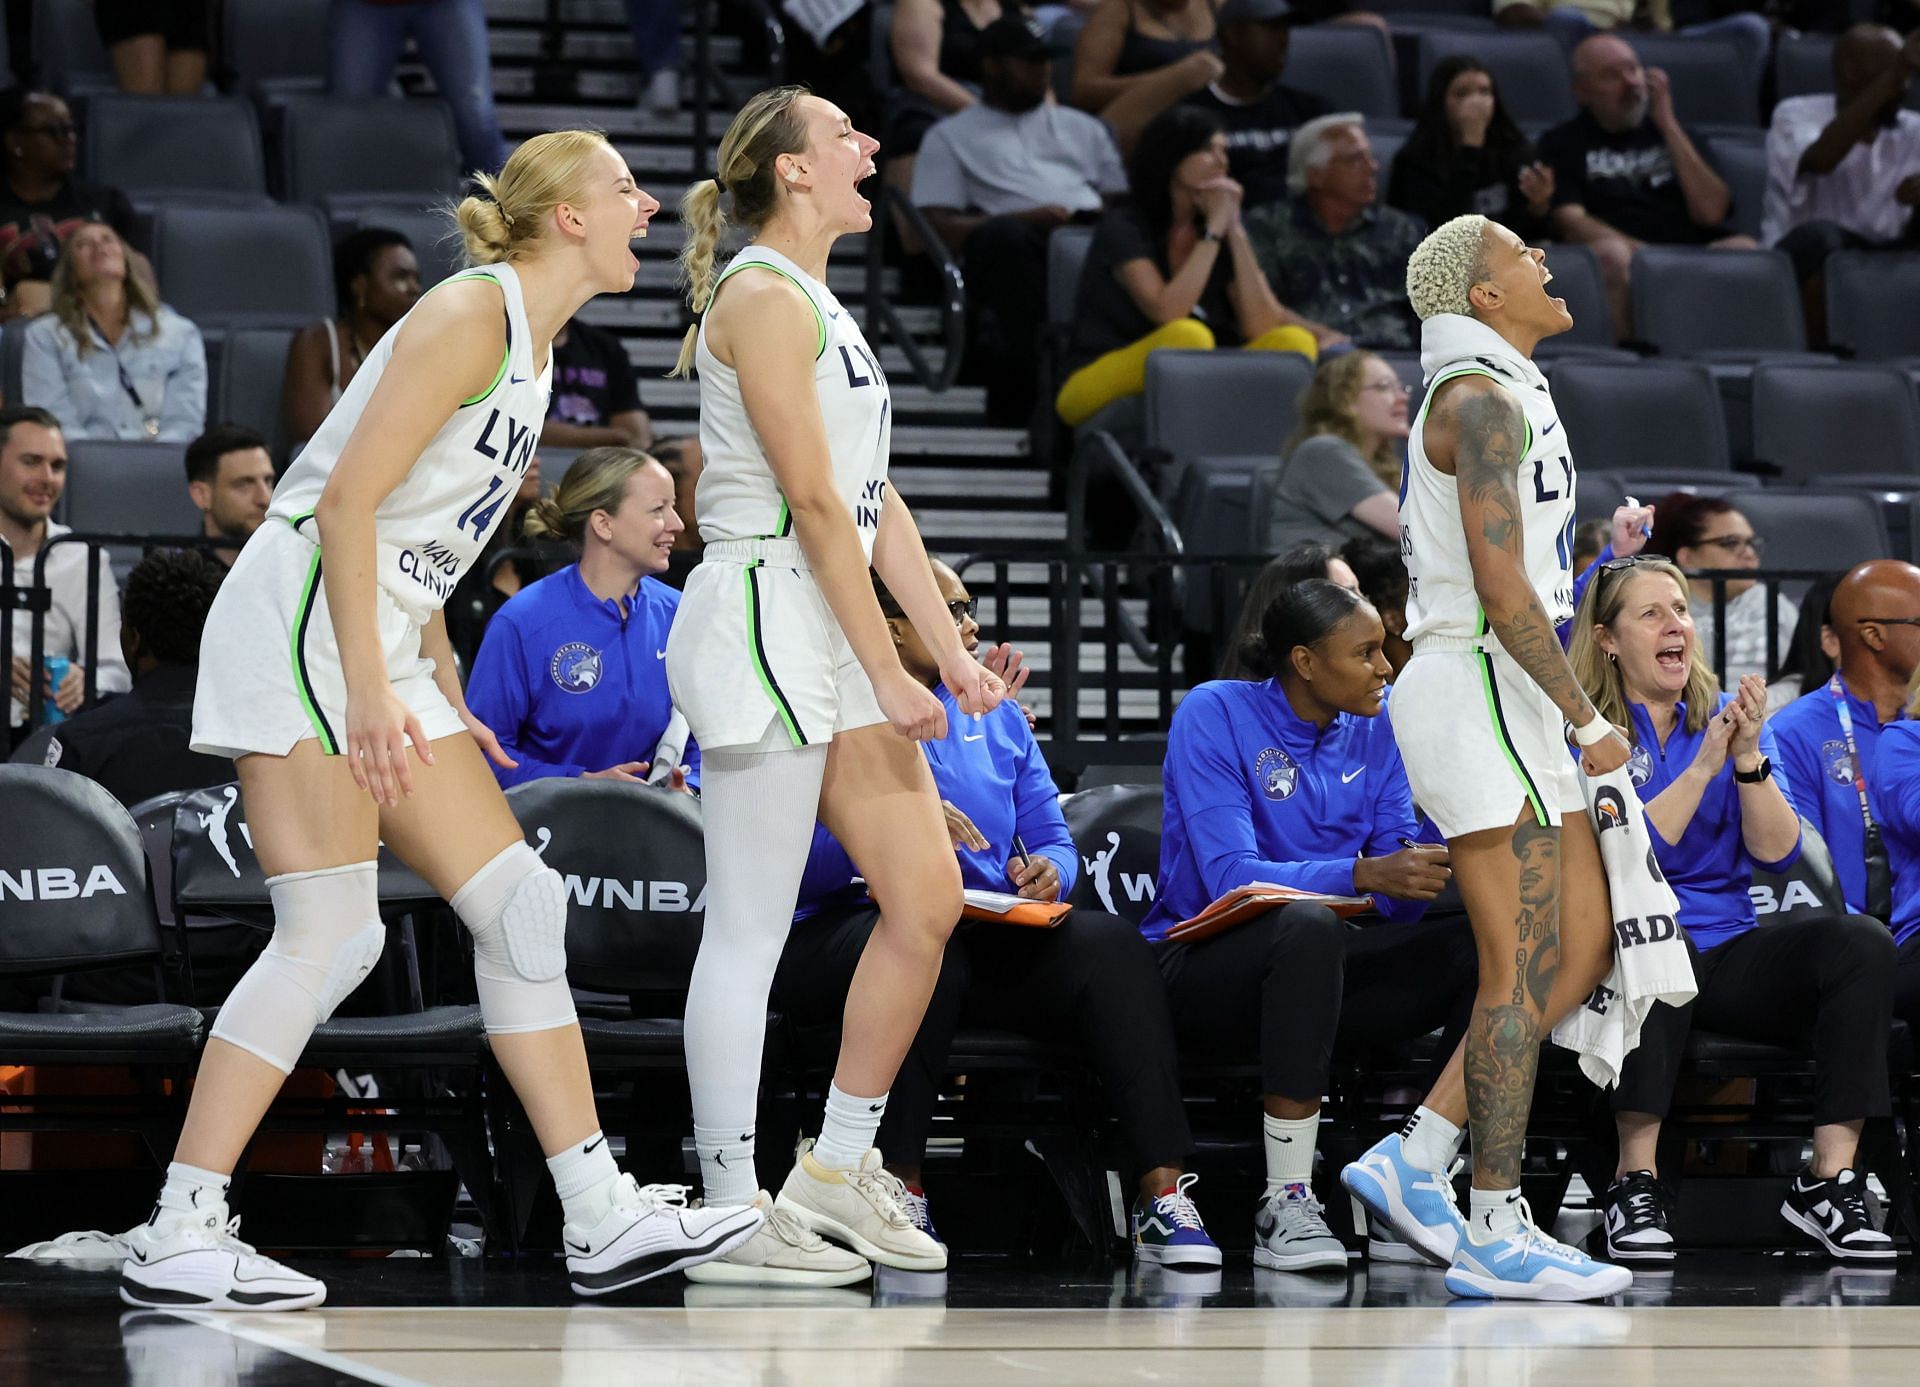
[149, 421]
[1879, 902]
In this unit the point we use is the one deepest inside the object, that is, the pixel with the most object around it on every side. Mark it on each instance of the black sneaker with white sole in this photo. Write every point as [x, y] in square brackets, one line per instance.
[1638, 1211]
[1834, 1214]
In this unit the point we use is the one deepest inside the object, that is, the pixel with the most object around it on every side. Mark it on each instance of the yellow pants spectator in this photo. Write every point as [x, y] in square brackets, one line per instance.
[1121, 373]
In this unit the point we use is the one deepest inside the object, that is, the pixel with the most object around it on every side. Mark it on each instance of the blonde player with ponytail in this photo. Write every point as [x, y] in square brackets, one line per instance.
[326, 674]
[785, 669]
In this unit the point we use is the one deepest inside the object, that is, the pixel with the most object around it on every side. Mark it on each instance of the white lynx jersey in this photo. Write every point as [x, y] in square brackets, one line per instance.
[738, 496]
[435, 523]
[1441, 599]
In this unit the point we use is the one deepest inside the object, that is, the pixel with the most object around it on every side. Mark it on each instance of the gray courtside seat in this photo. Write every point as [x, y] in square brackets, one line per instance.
[1350, 65]
[1530, 68]
[201, 148]
[1641, 415]
[1813, 420]
[334, 150]
[228, 268]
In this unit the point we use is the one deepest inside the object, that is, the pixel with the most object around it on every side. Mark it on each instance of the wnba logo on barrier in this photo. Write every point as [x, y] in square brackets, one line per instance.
[660, 896]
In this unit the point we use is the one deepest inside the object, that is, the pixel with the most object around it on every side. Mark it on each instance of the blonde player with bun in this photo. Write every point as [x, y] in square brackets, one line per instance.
[787, 673]
[326, 674]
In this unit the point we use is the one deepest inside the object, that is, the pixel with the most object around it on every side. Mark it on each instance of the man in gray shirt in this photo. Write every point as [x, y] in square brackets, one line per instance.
[995, 180]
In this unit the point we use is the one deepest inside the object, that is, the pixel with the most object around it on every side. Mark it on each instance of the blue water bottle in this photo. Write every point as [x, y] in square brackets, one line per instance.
[57, 667]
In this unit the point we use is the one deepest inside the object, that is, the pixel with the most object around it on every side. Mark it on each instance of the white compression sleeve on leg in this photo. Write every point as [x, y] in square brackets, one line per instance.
[327, 936]
[516, 909]
[759, 808]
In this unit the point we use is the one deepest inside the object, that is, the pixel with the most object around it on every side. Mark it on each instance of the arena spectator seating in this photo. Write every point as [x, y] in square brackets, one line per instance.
[275, 50]
[1350, 66]
[227, 267]
[128, 488]
[1802, 65]
[1741, 159]
[1613, 409]
[188, 148]
[324, 144]
[1576, 278]
[1711, 88]
[1813, 420]
[67, 53]
[247, 389]
[1873, 304]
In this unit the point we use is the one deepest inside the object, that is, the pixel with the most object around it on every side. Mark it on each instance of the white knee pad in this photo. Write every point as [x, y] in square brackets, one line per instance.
[327, 936]
[516, 909]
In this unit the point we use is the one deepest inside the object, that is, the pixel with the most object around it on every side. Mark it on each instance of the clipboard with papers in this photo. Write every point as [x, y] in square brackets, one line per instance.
[1256, 898]
[1004, 908]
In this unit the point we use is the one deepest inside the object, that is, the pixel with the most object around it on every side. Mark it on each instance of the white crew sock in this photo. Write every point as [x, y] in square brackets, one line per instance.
[846, 1135]
[584, 1174]
[726, 1164]
[1429, 1141]
[190, 1190]
[1290, 1146]
[1493, 1214]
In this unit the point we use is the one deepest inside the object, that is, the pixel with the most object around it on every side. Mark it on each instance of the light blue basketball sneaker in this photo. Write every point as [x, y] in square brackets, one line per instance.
[1416, 1204]
[1529, 1265]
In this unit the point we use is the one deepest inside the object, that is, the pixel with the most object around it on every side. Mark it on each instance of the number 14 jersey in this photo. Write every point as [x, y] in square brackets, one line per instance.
[434, 524]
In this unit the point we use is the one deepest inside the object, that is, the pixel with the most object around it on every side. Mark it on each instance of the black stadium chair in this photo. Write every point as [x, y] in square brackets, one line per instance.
[1873, 304]
[1815, 531]
[1711, 86]
[1810, 421]
[1223, 402]
[204, 149]
[129, 488]
[1742, 161]
[68, 56]
[276, 49]
[1641, 416]
[1116, 830]
[1803, 65]
[227, 267]
[251, 382]
[325, 142]
[1736, 305]
[1349, 66]
[1531, 69]
[1576, 278]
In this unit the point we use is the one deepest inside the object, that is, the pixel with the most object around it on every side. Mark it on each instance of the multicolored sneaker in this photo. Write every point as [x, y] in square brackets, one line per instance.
[1386, 1246]
[1834, 1214]
[1637, 1217]
[1167, 1230]
[1416, 1204]
[1290, 1233]
[1529, 1265]
[920, 1212]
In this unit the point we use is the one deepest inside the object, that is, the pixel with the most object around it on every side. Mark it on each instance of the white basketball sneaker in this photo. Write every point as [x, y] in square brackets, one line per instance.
[782, 1251]
[865, 1208]
[650, 1231]
[197, 1261]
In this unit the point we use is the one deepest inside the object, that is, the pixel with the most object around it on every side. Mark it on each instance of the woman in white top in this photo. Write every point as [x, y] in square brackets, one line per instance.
[326, 673]
[377, 279]
[109, 359]
[788, 676]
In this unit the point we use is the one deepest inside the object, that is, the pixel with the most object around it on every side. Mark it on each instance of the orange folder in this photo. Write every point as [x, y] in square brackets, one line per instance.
[1001, 908]
[1256, 898]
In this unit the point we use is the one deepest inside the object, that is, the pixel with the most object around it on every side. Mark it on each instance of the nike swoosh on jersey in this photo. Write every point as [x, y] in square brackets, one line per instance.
[976, 737]
[1550, 428]
[1351, 776]
[516, 380]
[659, 654]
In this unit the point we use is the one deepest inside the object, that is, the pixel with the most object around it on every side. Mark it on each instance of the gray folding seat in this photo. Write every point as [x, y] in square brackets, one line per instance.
[227, 267]
[1803, 65]
[1223, 402]
[1811, 421]
[1742, 161]
[1349, 65]
[204, 148]
[253, 373]
[276, 48]
[1815, 531]
[1739, 305]
[1873, 303]
[1710, 85]
[68, 56]
[116, 487]
[1642, 415]
[334, 149]
[1576, 278]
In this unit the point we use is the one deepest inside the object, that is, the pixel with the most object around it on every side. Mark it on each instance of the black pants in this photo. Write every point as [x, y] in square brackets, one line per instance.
[1826, 982]
[1809, 244]
[1089, 980]
[1300, 981]
[1005, 264]
[1906, 984]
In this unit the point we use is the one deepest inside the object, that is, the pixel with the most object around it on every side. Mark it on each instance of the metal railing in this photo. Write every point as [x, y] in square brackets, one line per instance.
[883, 319]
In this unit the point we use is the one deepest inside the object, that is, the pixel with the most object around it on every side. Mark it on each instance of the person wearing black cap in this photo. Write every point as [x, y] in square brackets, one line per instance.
[1258, 109]
[995, 180]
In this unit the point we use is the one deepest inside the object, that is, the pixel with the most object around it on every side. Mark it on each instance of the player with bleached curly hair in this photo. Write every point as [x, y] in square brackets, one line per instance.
[1480, 715]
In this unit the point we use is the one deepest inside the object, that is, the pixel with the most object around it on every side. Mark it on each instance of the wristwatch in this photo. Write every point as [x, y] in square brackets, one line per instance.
[1756, 775]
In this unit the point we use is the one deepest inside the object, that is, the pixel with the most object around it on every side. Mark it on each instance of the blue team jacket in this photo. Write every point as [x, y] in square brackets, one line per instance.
[1256, 793]
[993, 772]
[1894, 794]
[1813, 752]
[569, 685]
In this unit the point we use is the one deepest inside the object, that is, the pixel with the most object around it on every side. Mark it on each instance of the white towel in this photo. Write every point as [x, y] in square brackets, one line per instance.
[673, 745]
[1650, 962]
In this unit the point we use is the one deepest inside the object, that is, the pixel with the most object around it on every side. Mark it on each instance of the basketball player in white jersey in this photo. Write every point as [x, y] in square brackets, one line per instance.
[1480, 714]
[326, 674]
[784, 666]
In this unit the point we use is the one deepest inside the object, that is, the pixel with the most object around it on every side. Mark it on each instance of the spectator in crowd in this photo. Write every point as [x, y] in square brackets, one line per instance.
[1259, 111]
[1896, 806]
[1342, 465]
[1589, 538]
[1626, 173]
[995, 180]
[1814, 652]
[1706, 532]
[136, 745]
[158, 47]
[1137, 58]
[1276, 578]
[656, 51]
[1575, 21]
[1466, 155]
[1382, 576]
[570, 676]
[230, 478]
[365, 38]
[110, 360]
[376, 279]
[33, 473]
[1334, 252]
[1260, 787]
[596, 400]
[682, 458]
[41, 202]
[1090, 979]
[1175, 269]
[1843, 171]
[1719, 801]
[1830, 736]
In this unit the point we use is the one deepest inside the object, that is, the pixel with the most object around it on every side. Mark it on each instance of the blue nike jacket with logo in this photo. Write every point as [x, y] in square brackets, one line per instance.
[1256, 793]
[569, 684]
[991, 771]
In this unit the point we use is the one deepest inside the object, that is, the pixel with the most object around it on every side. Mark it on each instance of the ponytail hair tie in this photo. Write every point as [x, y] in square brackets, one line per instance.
[505, 215]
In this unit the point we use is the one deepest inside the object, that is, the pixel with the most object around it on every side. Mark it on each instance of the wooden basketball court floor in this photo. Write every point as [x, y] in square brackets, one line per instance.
[1738, 1321]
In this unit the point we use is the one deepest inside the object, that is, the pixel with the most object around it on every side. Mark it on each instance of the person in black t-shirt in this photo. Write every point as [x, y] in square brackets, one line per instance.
[41, 202]
[136, 745]
[1626, 172]
[1258, 109]
[595, 399]
[1466, 156]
